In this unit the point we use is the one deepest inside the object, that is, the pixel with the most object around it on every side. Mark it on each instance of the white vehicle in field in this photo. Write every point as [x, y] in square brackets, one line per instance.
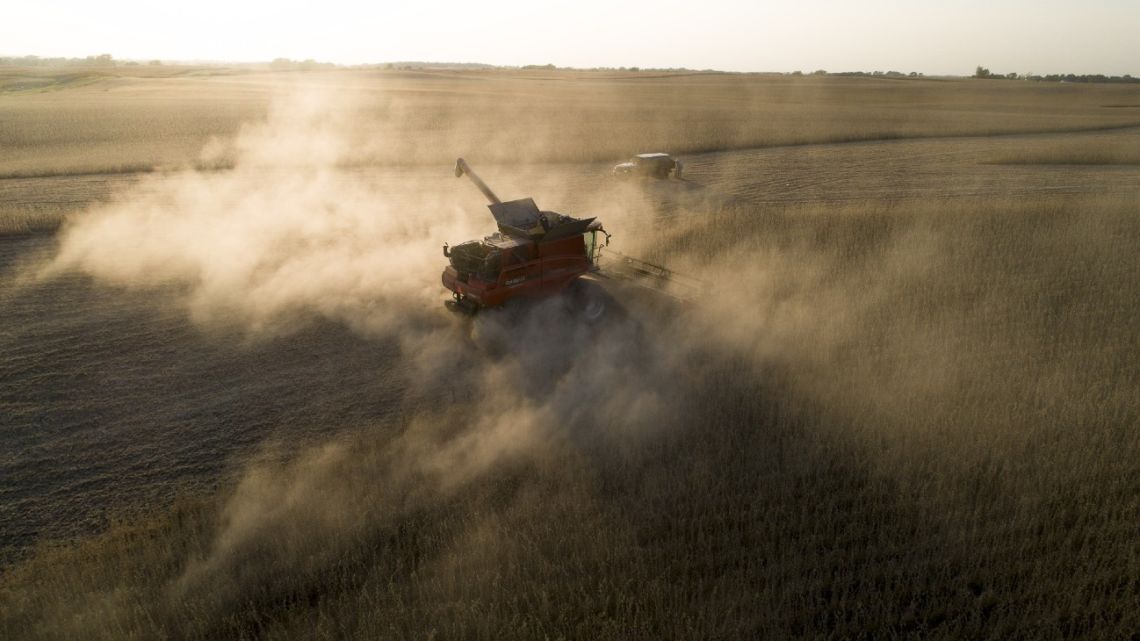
[655, 165]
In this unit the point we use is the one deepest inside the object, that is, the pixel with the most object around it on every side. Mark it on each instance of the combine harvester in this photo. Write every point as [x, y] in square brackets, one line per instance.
[539, 253]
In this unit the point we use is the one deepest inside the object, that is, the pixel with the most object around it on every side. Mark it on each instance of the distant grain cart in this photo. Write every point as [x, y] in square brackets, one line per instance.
[655, 165]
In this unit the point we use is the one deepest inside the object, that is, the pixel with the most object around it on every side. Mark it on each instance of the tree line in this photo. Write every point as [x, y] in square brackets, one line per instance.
[985, 74]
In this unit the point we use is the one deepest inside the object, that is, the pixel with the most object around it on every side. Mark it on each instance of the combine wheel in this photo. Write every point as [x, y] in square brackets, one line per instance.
[594, 309]
[589, 301]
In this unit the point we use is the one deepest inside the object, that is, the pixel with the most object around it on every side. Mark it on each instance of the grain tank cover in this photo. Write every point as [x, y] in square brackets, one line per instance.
[517, 217]
[522, 218]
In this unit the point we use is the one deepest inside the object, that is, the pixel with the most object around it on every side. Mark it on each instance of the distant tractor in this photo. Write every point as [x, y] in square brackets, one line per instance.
[655, 165]
[535, 253]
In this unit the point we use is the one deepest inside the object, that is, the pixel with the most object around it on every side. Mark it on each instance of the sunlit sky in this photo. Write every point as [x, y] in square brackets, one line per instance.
[931, 36]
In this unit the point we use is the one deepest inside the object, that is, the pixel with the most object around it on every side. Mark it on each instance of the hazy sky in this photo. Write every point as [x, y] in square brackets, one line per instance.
[932, 36]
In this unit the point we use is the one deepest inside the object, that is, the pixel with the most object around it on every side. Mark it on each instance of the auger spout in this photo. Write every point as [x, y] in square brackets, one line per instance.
[461, 167]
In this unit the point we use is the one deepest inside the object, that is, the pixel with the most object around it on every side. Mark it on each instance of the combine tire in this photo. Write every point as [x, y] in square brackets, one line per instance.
[589, 301]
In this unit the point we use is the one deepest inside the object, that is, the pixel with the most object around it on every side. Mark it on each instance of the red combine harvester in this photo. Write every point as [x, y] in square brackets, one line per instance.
[535, 253]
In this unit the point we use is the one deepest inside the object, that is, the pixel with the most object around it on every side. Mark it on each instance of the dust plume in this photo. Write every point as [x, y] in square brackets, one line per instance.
[282, 236]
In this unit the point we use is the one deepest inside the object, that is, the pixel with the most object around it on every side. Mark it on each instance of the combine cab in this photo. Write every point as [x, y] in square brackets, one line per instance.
[535, 253]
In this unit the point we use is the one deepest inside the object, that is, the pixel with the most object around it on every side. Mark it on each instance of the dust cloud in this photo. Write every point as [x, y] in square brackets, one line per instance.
[282, 236]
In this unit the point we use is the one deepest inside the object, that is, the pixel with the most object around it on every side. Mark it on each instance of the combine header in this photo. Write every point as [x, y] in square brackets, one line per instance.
[536, 253]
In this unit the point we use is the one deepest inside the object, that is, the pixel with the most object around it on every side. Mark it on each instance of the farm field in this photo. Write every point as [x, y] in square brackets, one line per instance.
[905, 403]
